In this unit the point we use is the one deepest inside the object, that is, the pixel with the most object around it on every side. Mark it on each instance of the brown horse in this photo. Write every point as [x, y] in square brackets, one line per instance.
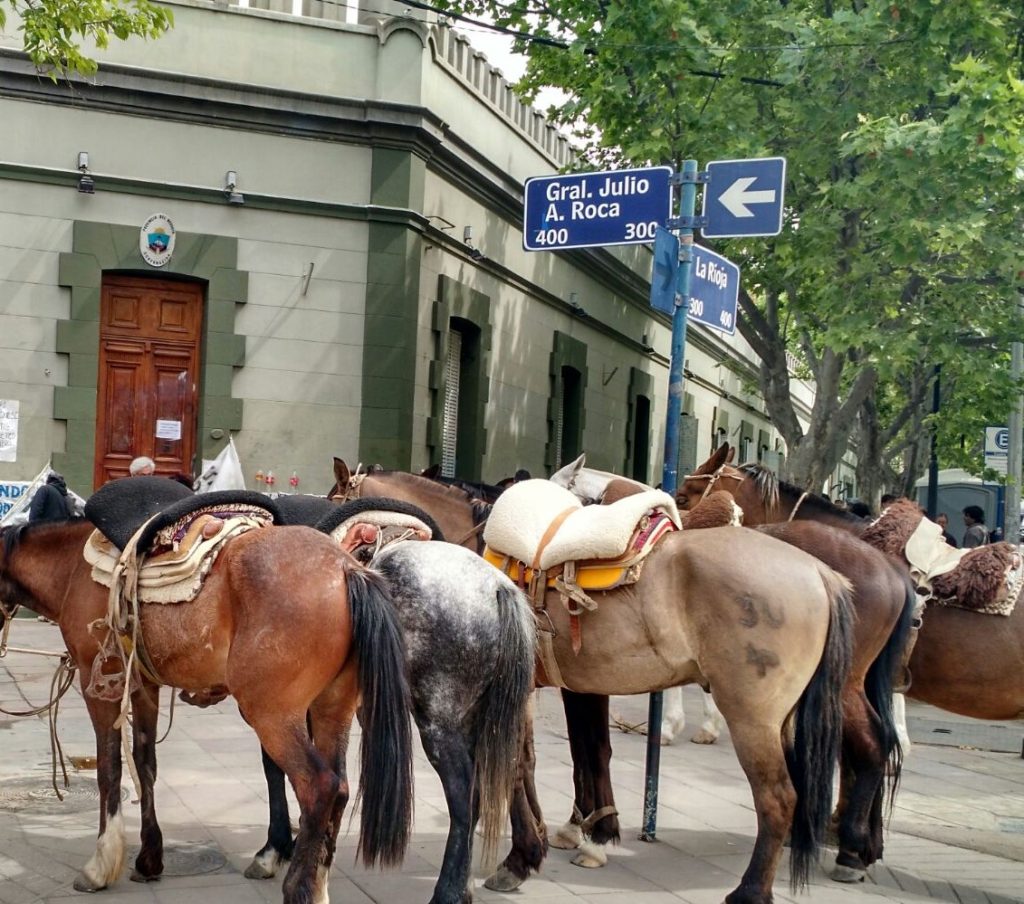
[884, 601]
[272, 596]
[962, 662]
[771, 641]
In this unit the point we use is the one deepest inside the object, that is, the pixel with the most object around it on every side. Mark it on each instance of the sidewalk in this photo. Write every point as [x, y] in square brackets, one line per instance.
[957, 834]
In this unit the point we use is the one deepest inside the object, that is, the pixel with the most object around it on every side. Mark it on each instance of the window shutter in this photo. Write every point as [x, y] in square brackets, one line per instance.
[450, 431]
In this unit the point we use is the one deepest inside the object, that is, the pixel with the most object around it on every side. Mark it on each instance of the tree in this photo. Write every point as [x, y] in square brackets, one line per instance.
[902, 124]
[54, 29]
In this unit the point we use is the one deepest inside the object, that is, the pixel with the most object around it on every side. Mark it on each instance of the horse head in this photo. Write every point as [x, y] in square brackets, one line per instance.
[707, 476]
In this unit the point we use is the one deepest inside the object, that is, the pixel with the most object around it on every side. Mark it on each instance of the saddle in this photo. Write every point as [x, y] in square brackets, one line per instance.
[988, 579]
[167, 543]
[365, 526]
[543, 537]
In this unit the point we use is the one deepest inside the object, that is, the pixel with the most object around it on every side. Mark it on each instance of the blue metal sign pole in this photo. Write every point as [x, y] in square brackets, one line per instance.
[688, 179]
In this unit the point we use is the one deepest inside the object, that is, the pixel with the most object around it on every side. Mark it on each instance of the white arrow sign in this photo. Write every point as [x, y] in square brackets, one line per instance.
[736, 197]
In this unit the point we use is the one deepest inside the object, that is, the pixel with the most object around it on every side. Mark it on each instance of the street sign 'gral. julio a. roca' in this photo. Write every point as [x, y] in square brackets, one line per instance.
[586, 210]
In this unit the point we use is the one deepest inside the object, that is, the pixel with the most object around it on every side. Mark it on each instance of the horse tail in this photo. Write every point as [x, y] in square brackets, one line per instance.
[385, 753]
[878, 687]
[814, 747]
[501, 716]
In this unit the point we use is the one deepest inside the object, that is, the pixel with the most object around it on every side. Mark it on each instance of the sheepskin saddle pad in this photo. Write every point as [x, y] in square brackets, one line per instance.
[543, 525]
[986, 579]
[169, 553]
[363, 527]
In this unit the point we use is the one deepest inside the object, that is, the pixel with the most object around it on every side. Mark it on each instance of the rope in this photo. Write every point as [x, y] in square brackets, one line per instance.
[60, 684]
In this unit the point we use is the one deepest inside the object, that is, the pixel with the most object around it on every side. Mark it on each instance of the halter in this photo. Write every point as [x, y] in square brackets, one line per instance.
[724, 470]
[352, 487]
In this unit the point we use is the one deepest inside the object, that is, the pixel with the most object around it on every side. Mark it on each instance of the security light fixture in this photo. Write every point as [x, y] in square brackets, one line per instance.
[86, 185]
[467, 238]
[230, 188]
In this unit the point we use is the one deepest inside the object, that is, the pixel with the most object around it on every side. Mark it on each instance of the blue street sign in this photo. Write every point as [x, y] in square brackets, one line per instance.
[744, 197]
[663, 271]
[714, 290]
[585, 210]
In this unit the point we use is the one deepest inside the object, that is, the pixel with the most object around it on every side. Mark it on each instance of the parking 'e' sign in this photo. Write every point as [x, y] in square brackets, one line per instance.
[744, 197]
[586, 210]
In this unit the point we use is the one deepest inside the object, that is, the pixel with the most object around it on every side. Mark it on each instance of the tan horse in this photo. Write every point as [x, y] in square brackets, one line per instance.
[770, 639]
[963, 662]
[272, 597]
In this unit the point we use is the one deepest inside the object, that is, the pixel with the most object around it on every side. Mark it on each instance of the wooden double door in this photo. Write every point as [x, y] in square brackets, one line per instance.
[150, 336]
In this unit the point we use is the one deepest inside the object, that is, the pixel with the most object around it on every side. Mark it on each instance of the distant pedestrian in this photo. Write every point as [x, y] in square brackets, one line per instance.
[860, 509]
[141, 466]
[942, 519]
[521, 474]
[887, 500]
[51, 501]
[977, 533]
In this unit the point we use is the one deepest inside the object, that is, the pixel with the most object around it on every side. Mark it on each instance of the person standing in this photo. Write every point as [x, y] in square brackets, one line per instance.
[141, 466]
[977, 533]
[51, 501]
[942, 519]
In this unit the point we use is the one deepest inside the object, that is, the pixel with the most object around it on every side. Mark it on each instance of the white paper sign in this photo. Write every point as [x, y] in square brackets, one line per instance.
[9, 430]
[168, 429]
[11, 492]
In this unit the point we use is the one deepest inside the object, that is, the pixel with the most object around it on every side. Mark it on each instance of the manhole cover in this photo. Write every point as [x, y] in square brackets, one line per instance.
[36, 794]
[188, 859]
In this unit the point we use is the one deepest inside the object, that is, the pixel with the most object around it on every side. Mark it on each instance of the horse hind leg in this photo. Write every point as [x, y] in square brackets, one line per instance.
[529, 835]
[711, 727]
[673, 720]
[287, 743]
[149, 864]
[760, 753]
[280, 844]
[448, 752]
[859, 826]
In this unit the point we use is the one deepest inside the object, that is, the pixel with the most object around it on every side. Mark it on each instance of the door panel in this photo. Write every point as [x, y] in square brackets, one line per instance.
[148, 375]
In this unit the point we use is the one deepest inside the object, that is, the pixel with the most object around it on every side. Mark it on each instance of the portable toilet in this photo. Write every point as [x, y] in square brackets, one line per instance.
[957, 490]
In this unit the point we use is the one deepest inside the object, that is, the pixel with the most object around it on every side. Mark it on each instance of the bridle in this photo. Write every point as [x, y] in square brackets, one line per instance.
[352, 487]
[724, 470]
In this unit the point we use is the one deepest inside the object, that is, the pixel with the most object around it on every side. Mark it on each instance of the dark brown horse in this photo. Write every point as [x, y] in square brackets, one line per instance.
[962, 662]
[771, 642]
[273, 595]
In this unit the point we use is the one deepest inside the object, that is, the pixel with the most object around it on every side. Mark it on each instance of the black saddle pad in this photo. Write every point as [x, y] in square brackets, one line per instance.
[303, 509]
[120, 508]
[347, 510]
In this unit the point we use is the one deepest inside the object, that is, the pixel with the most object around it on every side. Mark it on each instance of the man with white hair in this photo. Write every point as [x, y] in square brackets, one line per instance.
[141, 466]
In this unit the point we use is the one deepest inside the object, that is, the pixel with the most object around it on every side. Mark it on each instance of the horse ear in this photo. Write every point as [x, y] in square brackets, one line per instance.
[731, 455]
[718, 458]
[341, 472]
[433, 472]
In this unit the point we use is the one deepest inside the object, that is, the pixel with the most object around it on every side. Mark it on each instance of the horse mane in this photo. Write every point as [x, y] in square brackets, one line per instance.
[484, 491]
[14, 534]
[472, 494]
[772, 488]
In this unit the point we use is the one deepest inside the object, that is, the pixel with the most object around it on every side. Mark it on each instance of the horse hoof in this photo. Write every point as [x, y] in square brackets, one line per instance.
[503, 880]
[591, 856]
[136, 876]
[567, 838]
[704, 737]
[258, 870]
[84, 883]
[848, 874]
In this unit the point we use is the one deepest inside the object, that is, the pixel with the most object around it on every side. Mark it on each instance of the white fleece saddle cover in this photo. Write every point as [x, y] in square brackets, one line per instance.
[526, 510]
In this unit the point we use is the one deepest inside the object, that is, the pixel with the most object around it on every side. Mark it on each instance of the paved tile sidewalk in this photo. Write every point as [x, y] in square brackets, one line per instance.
[957, 833]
